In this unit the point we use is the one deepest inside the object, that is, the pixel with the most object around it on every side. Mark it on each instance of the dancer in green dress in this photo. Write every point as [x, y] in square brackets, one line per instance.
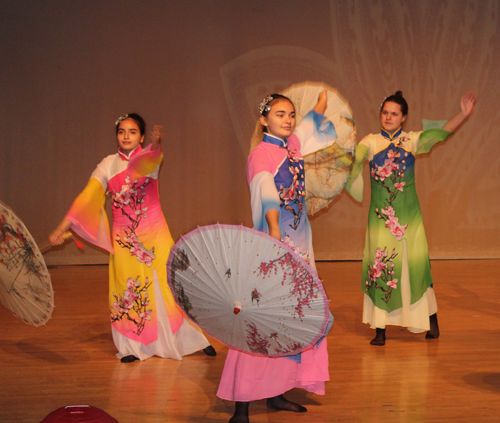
[396, 277]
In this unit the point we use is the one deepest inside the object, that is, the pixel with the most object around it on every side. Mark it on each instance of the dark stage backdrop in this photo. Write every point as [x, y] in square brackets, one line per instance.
[69, 68]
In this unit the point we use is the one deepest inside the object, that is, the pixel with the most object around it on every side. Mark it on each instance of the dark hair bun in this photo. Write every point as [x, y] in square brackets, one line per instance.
[398, 99]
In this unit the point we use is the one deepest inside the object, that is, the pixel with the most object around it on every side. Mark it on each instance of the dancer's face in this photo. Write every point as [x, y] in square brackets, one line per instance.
[128, 135]
[280, 120]
[391, 117]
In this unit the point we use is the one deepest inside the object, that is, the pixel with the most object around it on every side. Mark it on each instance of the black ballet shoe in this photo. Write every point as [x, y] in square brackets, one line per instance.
[210, 351]
[281, 403]
[240, 413]
[379, 339]
[128, 359]
[433, 333]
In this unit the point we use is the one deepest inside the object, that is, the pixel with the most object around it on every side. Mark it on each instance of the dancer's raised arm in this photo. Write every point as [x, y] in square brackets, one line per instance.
[467, 104]
[322, 102]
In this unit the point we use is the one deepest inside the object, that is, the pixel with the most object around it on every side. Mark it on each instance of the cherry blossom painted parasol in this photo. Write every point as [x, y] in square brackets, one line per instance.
[25, 285]
[248, 290]
[326, 170]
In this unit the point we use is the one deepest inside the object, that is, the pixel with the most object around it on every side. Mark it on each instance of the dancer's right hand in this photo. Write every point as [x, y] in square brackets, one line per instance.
[56, 237]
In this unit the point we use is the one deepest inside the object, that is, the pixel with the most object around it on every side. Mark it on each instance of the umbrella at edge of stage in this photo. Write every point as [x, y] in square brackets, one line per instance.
[327, 170]
[25, 285]
[248, 290]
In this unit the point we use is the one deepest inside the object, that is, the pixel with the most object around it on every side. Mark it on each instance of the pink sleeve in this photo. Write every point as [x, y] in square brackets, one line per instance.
[259, 161]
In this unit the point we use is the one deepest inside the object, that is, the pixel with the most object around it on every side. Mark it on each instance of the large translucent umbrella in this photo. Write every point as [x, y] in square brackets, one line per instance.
[246, 289]
[25, 286]
[326, 170]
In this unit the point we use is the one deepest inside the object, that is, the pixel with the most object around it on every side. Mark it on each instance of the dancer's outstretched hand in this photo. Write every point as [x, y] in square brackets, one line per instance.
[467, 103]
[156, 136]
[323, 95]
[322, 102]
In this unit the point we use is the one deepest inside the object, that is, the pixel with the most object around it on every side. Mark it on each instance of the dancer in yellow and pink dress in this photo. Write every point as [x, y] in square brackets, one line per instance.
[275, 172]
[145, 319]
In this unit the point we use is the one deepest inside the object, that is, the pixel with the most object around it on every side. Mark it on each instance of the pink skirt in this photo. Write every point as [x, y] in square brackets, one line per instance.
[249, 378]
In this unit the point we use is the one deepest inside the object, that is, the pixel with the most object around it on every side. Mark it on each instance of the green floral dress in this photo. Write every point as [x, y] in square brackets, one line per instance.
[396, 277]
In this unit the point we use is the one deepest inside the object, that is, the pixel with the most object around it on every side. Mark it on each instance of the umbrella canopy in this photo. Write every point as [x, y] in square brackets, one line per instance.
[25, 286]
[248, 290]
[326, 170]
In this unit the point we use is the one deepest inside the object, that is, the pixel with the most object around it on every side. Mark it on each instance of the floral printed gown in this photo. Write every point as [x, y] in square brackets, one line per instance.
[275, 171]
[396, 277]
[144, 317]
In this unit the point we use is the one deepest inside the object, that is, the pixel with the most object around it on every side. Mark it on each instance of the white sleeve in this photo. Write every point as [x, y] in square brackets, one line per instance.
[264, 197]
[315, 133]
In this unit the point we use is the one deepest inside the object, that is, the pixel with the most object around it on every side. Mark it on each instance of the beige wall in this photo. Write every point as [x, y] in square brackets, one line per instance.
[68, 69]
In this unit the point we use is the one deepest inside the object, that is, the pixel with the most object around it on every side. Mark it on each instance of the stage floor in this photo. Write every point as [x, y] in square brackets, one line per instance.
[456, 378]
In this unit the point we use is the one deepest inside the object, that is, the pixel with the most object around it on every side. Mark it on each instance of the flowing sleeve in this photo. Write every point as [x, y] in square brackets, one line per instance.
[432, 134]
[144, 163]
[88, 216]
[354, 184]
[263, 193]
[314, 133]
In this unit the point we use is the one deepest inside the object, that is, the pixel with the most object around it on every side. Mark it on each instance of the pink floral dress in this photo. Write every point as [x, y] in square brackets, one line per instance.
[145, 319]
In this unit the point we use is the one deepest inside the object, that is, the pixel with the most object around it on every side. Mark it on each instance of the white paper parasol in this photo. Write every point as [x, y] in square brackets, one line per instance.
[326, 170]
[248, 290]
[25, 286]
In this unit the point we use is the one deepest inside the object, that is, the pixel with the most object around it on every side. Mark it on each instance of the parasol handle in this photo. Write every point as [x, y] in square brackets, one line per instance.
[237, 307]
[47, 246]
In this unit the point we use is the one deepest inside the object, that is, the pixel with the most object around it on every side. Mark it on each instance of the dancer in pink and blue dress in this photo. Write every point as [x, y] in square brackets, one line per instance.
[275, 172]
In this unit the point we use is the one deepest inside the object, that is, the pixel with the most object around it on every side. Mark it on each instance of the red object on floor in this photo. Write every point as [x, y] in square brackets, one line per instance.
[79, 414]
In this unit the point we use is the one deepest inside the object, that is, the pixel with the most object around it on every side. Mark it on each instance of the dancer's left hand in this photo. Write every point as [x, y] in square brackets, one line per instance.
[156, 136]
[467, 103]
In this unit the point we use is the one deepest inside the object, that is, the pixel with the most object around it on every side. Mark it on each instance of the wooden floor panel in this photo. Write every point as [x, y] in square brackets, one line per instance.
[454, 379]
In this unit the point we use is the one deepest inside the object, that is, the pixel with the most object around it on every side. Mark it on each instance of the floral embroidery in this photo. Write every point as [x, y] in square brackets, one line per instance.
[293, 197]
[133, 304]
[393, 169]
[131, 201]
[130, 241]
[382, 272]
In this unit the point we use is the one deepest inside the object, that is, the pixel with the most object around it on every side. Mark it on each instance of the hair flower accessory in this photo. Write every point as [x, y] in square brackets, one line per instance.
[383, 101]
[121, 119]
[264, 106]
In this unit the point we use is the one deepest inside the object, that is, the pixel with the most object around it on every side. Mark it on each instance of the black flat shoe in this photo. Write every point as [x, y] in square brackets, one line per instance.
[210, 351]
[128, 359]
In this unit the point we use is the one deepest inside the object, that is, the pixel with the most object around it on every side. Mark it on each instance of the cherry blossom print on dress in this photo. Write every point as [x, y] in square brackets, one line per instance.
[292, 197]
[133, 305]
[382, 273]
[392, 172]
[131, 200]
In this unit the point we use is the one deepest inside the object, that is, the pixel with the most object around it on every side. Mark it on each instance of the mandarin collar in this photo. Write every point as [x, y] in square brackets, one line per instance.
[135, 151]
[272, 139]
[390, 137]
